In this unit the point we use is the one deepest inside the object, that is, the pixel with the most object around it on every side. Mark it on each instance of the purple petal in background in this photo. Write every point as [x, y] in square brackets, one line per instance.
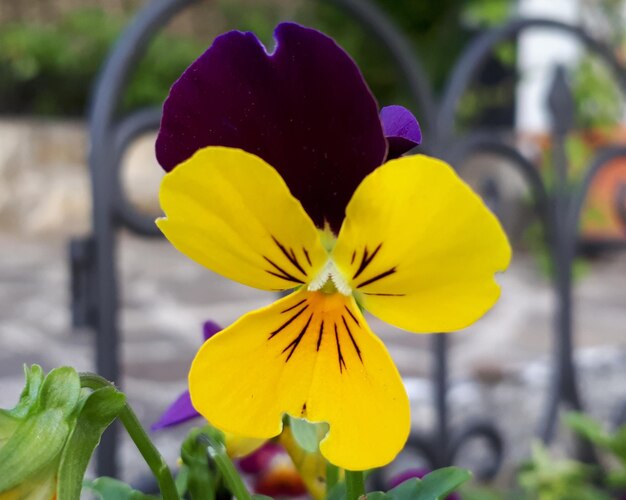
[260, 459]
[305, 109]
[210, 328]
[401, 130]
[179, 411]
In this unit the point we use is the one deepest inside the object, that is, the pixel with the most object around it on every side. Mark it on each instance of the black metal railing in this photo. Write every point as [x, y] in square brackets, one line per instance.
[93, 259]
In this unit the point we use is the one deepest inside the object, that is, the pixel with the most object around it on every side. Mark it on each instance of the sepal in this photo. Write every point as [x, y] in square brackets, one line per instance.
[99, 409]
[47, 439]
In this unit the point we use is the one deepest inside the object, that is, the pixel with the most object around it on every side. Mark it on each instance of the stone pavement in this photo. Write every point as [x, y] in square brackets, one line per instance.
[498, 367]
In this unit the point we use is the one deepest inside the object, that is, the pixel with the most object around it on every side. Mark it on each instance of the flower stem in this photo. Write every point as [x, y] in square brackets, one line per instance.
[355, 484]
[332, 477]
[148, 451]
[218, 454]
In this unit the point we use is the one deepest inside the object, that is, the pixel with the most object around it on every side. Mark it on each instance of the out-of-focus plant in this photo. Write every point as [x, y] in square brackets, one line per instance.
[598, 99]
[426, 27]
[486, 13]
[545, 478]
[50, 69]
[448, 27]
[612, 443]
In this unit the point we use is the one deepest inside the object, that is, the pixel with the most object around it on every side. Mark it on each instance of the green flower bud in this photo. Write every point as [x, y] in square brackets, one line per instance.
[47, 439]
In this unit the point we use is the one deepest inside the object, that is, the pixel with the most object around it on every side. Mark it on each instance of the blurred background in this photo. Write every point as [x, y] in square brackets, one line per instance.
[51, 52]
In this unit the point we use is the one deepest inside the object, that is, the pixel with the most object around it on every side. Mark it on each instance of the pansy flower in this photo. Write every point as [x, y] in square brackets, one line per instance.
[283, 176]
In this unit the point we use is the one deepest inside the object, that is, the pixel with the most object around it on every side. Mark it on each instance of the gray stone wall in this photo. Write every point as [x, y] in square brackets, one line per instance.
[44, 179]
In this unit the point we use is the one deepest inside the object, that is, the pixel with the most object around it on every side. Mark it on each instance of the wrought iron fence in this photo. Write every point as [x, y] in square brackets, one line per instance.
[93, 259]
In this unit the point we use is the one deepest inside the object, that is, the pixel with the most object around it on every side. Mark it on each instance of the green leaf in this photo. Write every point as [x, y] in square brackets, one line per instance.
[101, 407]
[305, 433]
[60, 389]
[587, 427]
[108, 488]
[35, 445]
[376, 495]
[489, 493]
[409, 489]
[261, 497]
[438, 484]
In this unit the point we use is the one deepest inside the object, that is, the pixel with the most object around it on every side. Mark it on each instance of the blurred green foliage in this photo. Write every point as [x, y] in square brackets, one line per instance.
[437, 33]
[545, 476]
[598, 98]
[612, 444]
[48, 69]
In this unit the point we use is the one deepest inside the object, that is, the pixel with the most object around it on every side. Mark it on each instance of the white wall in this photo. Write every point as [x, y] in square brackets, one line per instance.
[538, 52]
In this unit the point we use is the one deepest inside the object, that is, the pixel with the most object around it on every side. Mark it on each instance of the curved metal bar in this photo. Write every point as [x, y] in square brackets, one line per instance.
[440, 390]
[129, 129]
[425, 447]
[375, 19]
[487, 142]
[563, 383]
[560, 214]
[599, 162]
[480, 429]
[417, 444]
[464, 147]
[369, 15]
[620, 204]
[105, 102]
[477, 53]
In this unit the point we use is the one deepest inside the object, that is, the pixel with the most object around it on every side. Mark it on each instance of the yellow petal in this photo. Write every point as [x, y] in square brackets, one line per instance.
[310, 355]
[41, 486]
[420, 248]
[232, 212]
[237, 446]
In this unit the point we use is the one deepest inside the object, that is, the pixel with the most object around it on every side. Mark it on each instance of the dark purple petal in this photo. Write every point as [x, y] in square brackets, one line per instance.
[179, 411]
[401, 130]
[305, 109]
[210, 328]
